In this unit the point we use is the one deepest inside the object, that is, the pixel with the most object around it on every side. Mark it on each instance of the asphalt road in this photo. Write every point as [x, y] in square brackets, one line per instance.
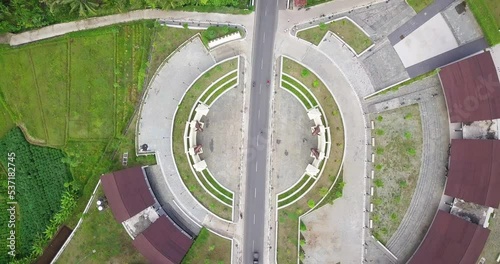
[258, 135]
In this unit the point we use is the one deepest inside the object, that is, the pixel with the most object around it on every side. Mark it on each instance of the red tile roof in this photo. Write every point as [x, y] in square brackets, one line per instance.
[127, 192]
[472, 89]
[474, 171]
[451, 240]
[162, 242]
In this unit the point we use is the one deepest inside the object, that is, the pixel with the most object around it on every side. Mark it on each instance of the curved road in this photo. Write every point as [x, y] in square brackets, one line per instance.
[266, 19]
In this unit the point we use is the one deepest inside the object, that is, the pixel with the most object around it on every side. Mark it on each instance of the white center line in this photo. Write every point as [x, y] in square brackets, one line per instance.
[261, 64]
[257, 140]
[256, 166]
[265, 12]
[253, 245]
[255, 193]
[260, 88]
[254, 219]
[258, 115]
[264, 40]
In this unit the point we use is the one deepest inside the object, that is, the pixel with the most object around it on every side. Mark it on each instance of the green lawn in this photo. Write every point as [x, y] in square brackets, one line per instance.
[419, 5]
[78, 93]
[288, 217]
[398, 134]
[181, 117]
[208, 248]
[344, 29]
[301, 87]
[215, 32]
[217, 85]
[100, 231]
[295, 187]
[487, 14]
[216, 185]
[301, 191]
[297, 93]
[221, 90]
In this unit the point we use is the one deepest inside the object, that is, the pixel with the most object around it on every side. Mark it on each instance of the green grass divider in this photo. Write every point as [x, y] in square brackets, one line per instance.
[485, 20]
[296, 92]
[302, 88]
[213, 191]
[216, 185]
[222, 89]
[217, 85]
[297, 194]
[294, 188]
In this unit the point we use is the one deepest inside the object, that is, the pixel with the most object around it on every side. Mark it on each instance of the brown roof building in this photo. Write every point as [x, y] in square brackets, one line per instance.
[474, 174]
[451, 240]
[163, 243]
[472, 89]
[127, 192]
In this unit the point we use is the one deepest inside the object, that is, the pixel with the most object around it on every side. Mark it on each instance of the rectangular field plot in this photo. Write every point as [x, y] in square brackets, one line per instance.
[92, 87]
[19, 89]
[51, 70]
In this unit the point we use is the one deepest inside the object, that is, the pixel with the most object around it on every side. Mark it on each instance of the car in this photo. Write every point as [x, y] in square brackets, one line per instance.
[255, 258]
[268, 82]
[253, 84]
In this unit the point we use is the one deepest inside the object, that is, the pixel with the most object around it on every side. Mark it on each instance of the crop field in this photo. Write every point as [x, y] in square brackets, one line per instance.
[39, 179]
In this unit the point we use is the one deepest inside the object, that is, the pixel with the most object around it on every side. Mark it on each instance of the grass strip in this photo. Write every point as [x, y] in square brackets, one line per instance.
[297, 194]
[213, 191]
[296, 92]
[294, 188]
[486, 19]
[221, 90]
[419, 5]
[208, 248]
[302, 88]
[408, 82]
[217, 85]
[216, 185]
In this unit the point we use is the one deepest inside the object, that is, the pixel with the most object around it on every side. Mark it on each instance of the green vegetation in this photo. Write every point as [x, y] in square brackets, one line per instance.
[395, 88]
[290, 199]
[217, 85]
[302, 88]
[487, 14]
[216, 184]
[40, 178]
[99, 231]
[181, 116]
[295, 187]
[221, 90]
[379, 118]
[303, 226]
[297, 93]
[23, 15]
[214, 32]
[419, 5]
[398, 168]
[379, 132]
[344, 29]
[208, 248]
[379, 150]
[108, 69]
[491, 248]
[216, 190]
[288, 217]
[316, 2]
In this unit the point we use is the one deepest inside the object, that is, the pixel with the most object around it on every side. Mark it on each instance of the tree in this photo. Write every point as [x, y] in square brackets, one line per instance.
[84, 6]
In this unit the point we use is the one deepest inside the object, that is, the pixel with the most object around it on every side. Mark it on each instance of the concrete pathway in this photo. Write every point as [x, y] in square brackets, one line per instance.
[96, 22]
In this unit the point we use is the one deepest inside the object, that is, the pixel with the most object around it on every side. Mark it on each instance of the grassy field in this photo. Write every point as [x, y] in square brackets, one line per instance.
[344, 29]
[419, 5]
[398, 137]
[78, 93]
[99, 231]
[181, 117]
[487, 14]
[288, 217]
[209, 248]
[491, 249]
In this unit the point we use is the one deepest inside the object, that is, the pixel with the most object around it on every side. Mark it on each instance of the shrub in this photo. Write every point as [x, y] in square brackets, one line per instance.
[322, 26]
[302, 242]
[378, 183]
[311, 203]
[379, 150]
[305, 72]
[315, 83]
[408, 116]
[403, 184]
[379, 132]
[185, 26]
[411, 151]
[323, 191]
[394, 217]
[377, 201]
[379, 167]
[380, 118]
[408, 135]
[303, 226]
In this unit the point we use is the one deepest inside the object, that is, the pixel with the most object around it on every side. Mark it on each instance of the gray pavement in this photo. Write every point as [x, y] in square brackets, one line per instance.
[418, 20]
[292, 140]
[258, 130]
[463, 25]
[346, 213]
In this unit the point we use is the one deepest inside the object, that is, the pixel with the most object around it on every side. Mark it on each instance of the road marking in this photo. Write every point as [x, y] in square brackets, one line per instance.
[257, 140]
[258, 115]
[264, 40]
[262, 64]
[260, 88]
[256, 163]
[254, 219]
[255, 193]
[265, 12]
[253, 245]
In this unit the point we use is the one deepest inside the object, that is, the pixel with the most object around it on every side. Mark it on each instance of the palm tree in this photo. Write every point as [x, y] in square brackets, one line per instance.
[83, 6]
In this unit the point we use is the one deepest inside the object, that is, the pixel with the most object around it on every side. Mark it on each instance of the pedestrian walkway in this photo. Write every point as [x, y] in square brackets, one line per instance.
[165, 93]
